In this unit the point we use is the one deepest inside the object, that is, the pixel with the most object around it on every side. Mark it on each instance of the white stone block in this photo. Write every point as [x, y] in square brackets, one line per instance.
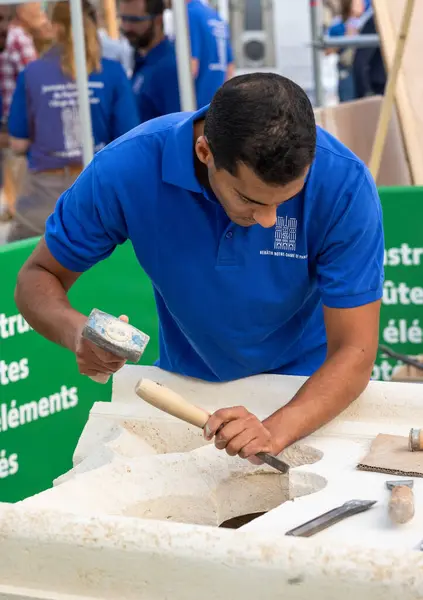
[138, 515]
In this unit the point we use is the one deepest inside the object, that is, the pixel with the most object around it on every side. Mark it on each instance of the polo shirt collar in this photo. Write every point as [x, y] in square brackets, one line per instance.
[178, 154]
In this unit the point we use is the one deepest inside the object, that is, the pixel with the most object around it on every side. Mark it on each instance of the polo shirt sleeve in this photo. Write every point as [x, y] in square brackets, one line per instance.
[18, 126]
[350, 264]
[125, 114]
[88, 220]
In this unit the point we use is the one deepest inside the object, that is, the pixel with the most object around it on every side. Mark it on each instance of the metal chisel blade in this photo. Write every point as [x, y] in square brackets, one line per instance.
[274, 462]
[352, 507]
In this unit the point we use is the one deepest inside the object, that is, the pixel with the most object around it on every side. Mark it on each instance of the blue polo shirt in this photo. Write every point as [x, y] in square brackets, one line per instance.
[211, 46]
[232, 301]
[45, 110]
[155, 82]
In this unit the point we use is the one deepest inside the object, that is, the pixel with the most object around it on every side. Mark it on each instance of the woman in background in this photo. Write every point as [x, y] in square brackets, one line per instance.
[44, 118]
[352, 16]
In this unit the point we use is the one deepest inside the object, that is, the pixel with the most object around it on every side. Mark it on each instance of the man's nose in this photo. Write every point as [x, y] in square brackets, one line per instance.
[266, 216]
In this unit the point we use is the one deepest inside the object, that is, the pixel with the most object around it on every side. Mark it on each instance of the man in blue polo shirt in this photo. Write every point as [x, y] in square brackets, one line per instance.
[263, 242]
[154, 58]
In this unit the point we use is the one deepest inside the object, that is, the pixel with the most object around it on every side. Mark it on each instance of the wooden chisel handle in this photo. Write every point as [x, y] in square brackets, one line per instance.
[170, 402]
[401, 504]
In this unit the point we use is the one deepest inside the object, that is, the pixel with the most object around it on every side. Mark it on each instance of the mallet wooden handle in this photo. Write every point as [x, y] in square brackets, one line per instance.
[170, 402]
[401, 504]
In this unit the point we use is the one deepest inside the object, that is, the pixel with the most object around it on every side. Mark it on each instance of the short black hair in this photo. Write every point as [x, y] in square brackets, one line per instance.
[152, 7]
[155, 7]
[264, 121]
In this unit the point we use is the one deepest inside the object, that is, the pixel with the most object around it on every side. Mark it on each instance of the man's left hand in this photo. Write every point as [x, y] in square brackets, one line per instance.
[239, 432]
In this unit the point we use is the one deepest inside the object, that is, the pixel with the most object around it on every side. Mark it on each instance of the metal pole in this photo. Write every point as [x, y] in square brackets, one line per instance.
[82, 80]
[223, 9]
[183, 56]
[348, 41]
[317, 67]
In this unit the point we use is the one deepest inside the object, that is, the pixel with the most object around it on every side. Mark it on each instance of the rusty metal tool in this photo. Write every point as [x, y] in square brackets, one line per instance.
[401, 502]
[352, 507]
[172, 403]
[415, 440]
[407, 360]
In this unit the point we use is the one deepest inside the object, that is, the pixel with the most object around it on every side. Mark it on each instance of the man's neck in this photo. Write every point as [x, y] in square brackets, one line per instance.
[154, 44]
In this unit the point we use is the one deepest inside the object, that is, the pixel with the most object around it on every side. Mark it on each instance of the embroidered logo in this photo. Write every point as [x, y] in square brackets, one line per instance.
[286, 234]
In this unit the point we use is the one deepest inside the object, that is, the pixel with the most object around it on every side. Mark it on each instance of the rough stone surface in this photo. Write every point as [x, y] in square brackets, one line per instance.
[137, 516]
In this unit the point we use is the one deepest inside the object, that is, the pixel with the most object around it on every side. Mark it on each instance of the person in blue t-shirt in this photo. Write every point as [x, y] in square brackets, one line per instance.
[262, 236]
[211, 50]
[155, 74]
[154, 77]
[44, 119]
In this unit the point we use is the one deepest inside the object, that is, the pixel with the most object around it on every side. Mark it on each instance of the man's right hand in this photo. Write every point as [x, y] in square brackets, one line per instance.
[93, 360]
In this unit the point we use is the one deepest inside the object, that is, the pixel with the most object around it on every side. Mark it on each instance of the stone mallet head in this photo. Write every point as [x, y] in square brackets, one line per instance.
[115, 336]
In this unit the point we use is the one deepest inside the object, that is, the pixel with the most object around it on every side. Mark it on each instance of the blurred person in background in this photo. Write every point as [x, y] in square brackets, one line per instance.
[5, 18]
[368, 67]
[155, 74]
[114, 49]
[212, 59]
[29, 23]
[353, 13]
[154, 55]
[44, 118]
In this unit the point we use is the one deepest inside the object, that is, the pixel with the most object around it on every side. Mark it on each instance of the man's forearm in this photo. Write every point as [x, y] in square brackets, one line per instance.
[43, 302]
[339, 381]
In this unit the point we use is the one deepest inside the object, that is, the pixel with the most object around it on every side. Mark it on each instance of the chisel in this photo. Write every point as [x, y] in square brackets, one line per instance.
[172, 403]
[352, 507]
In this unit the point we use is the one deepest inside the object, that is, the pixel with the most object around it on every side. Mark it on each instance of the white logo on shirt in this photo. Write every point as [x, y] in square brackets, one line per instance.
[286, 234]
[285, 240]
[220, 34]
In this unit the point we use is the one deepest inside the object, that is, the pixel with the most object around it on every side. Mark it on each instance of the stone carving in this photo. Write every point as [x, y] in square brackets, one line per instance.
[138, 515]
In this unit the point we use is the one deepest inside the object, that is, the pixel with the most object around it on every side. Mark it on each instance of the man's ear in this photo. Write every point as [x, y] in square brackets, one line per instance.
[202, 150]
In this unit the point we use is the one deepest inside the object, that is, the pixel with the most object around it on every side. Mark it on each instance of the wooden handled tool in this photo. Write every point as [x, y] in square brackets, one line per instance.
[172, 403]
[401, 502]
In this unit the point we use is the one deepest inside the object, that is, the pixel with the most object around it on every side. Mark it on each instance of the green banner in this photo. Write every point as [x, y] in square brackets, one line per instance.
[44, 401]
[402, 307]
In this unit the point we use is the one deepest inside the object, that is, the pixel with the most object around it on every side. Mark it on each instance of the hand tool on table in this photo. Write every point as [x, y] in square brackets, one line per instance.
[415, 440]
[172, 403]
[401, 502]
[352, 507]
[407, 360]
[115, 336]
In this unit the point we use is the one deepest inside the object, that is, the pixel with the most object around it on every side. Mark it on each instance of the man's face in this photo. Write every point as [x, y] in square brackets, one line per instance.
[136, 24]
[5, 18]
[246, 199]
